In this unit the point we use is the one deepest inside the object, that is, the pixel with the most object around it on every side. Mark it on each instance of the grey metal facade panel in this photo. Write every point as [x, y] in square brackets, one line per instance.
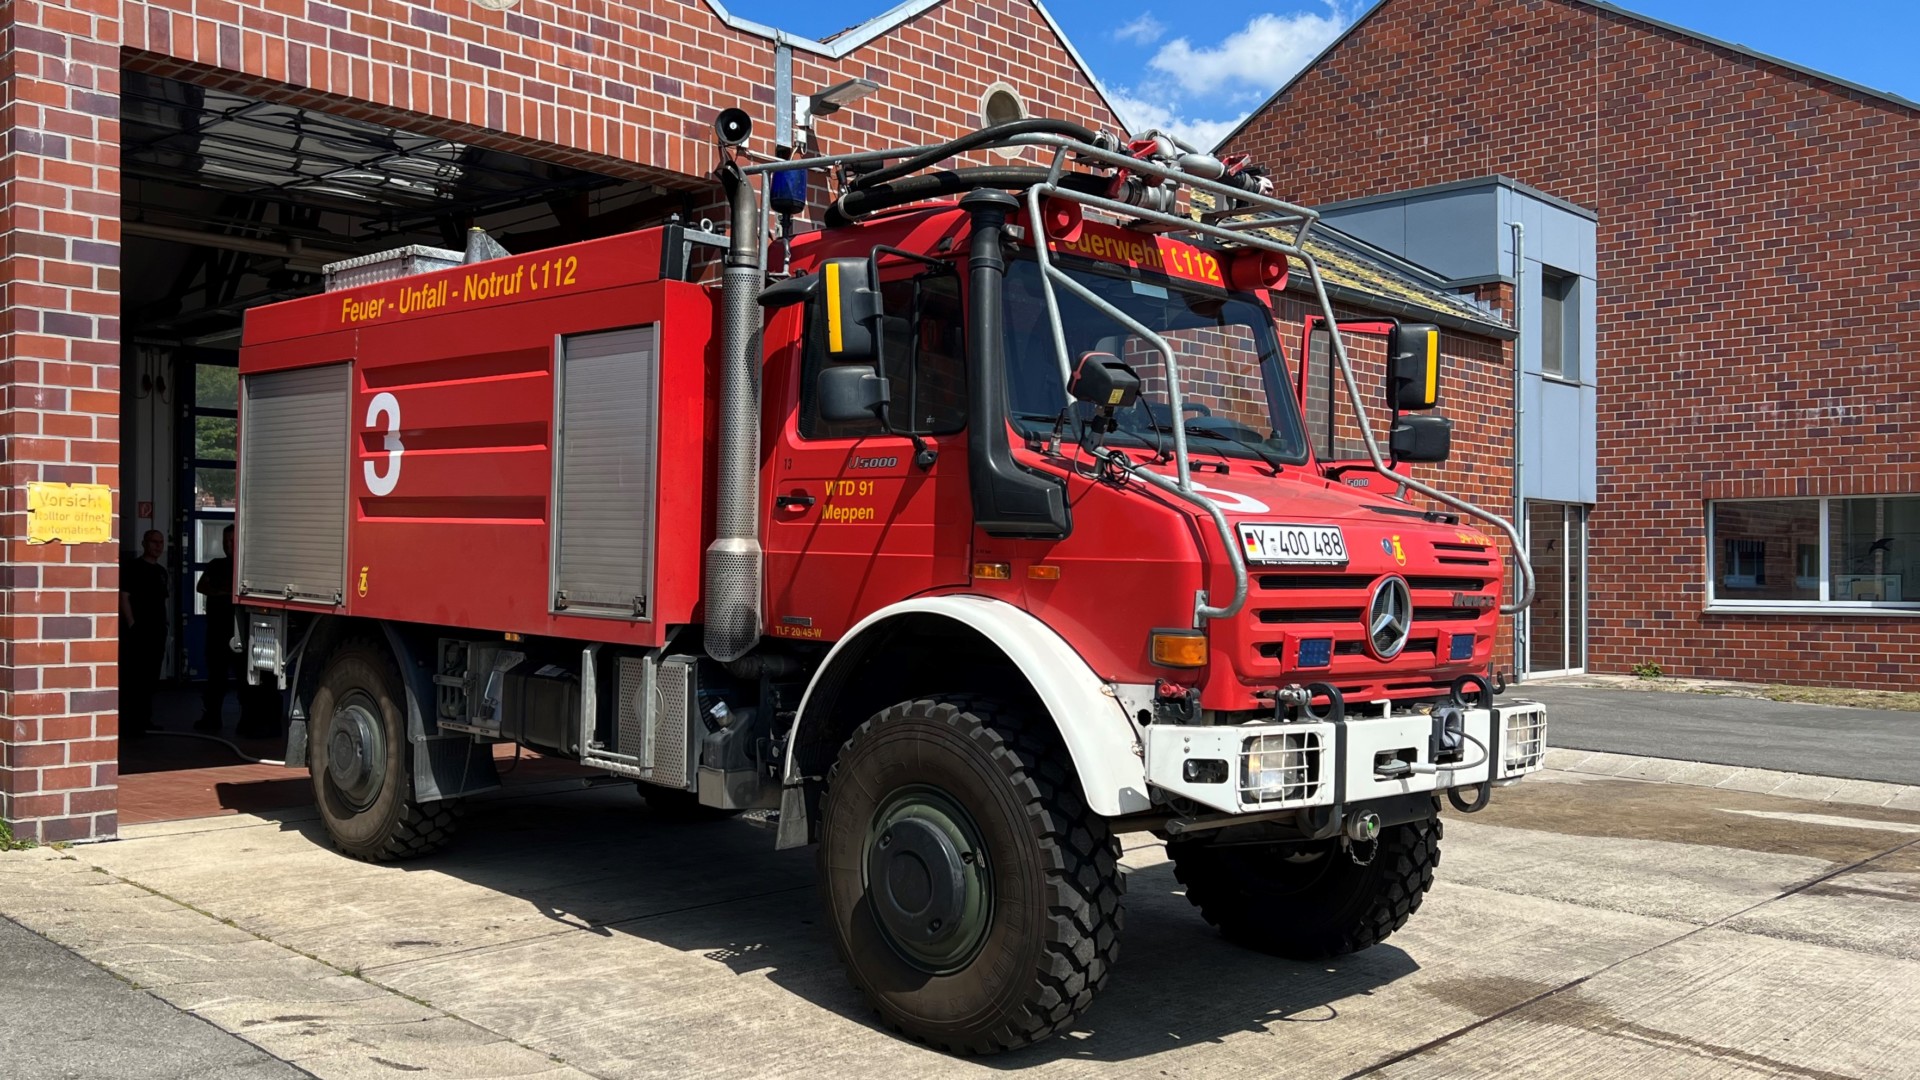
[607, 418]
[294, 443]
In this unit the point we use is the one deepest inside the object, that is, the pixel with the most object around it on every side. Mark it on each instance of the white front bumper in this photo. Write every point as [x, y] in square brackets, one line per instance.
[1323, 764]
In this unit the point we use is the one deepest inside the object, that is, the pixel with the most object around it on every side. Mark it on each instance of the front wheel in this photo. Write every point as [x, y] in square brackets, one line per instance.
[359, 760]
[974, 897]
[1311, 901]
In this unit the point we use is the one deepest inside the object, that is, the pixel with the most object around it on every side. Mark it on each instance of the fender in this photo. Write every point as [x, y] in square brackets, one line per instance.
[1099, 735]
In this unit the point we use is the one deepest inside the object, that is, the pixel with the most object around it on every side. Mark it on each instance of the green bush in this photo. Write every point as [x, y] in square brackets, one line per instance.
[1647, 669]
[7, 841]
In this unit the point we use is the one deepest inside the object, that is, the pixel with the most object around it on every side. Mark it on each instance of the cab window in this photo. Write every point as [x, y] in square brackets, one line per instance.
[924, 341]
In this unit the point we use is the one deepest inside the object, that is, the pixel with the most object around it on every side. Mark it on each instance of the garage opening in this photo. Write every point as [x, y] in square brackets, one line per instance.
[231, 202]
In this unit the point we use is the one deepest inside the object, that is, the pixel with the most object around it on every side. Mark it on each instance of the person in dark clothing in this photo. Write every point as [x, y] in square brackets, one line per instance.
[143, 632]
[216, 584]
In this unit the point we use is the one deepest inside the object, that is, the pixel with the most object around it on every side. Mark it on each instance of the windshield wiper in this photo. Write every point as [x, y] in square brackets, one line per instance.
[1273, 463]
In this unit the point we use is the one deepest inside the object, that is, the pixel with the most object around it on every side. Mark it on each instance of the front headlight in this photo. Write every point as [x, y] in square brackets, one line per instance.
[1280, 768]
[1525, 741]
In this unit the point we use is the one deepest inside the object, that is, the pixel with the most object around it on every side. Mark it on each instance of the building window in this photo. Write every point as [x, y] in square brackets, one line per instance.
[1560, 324]
[1835, 554]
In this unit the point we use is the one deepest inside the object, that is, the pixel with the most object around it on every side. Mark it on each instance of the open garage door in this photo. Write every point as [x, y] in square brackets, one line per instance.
[231, 202]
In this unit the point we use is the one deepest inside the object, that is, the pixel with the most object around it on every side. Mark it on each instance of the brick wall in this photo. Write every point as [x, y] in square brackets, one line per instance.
[1757, 301]
[59, 410]
[629, 88]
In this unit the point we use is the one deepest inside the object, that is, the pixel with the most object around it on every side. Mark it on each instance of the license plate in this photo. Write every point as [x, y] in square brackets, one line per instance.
[1306, 545]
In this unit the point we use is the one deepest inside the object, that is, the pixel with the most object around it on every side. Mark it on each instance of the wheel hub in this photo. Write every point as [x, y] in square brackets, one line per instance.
[928, 880]
[356, 753]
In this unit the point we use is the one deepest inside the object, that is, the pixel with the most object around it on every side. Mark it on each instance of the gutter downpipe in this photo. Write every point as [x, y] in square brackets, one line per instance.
[734, 562]
[1521, 619]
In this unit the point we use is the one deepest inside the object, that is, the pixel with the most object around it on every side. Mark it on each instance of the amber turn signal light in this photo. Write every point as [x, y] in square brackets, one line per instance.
[1179, 648]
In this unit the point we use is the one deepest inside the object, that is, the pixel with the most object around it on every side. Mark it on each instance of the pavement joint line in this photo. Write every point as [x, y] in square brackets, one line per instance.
[1616, 767]
[1465, 1029]
[355, 973]
[137, 988]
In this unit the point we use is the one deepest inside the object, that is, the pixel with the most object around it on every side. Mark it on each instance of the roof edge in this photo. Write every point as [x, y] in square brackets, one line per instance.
[845, 43]
[1489, 180]
[1598, 5]
[1298, 75]
[1798, 69]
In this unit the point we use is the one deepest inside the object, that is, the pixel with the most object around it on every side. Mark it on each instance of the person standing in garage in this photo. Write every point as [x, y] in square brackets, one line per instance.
[143, 632]
[216, 584]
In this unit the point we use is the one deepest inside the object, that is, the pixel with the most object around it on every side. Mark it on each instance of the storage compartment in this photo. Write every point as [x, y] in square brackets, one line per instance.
[606, 427]
[293, 484]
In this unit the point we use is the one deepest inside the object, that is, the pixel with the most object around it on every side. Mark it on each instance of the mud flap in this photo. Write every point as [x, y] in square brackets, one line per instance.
[445, 766]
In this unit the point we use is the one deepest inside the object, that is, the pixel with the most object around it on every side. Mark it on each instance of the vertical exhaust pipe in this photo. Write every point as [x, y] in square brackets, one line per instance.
[734, 560]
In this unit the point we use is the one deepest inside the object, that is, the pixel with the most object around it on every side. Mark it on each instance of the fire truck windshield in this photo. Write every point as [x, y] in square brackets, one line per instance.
[1234, 391]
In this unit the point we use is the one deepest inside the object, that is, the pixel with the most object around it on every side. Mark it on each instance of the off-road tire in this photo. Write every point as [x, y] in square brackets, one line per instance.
[1052, 859]
[394, 826]
[1314, 910]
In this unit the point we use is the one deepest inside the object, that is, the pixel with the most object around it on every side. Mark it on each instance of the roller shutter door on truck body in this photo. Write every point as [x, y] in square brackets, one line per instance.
[604, 473]
[294, 441]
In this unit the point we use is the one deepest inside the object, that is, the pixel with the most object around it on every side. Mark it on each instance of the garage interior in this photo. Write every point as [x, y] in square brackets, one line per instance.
[231, 202]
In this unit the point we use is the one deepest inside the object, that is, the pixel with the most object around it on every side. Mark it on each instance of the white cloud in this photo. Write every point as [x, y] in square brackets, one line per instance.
[1141, 115]
[1262, 55]
[1187, 83]
[1144, 30]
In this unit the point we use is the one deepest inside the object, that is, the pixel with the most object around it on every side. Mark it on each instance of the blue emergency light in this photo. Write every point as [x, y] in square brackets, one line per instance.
[1316, 652]
[1462, 647]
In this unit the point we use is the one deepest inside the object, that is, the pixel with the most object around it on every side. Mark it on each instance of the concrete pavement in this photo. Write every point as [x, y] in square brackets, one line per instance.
[1584, 925]
[1825, 740]
[66, 1019]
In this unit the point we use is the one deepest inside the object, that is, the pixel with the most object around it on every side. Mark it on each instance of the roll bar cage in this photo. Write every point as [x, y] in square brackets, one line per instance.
[1239, 219]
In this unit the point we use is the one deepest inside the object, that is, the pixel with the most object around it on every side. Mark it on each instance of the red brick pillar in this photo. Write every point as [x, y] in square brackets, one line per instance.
[59, 410]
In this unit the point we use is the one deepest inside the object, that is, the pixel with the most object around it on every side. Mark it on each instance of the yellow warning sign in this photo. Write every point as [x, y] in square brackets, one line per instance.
[69, 513]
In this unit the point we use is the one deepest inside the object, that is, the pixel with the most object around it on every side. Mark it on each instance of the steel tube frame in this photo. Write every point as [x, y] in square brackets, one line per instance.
[1280, 213]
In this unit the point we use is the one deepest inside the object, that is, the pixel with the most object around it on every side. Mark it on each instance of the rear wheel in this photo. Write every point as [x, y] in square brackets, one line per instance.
[360, 761]
[974, 898]
[1311, 901]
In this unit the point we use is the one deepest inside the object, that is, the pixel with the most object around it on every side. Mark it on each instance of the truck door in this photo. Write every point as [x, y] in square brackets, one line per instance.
[855, 523]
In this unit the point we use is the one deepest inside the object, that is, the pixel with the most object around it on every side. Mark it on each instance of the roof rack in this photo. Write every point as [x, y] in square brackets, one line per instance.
[1238, 218]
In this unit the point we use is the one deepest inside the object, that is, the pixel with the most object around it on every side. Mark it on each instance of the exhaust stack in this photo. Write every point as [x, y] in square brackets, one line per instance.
[734, 560]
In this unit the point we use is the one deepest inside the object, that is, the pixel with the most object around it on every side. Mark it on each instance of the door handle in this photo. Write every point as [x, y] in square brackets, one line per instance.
[789, 502]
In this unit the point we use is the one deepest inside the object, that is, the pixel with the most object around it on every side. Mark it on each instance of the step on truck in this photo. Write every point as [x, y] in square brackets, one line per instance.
[954, 536]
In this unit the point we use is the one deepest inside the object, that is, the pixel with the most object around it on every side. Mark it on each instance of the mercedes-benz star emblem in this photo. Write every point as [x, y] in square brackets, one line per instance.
[1389, 617]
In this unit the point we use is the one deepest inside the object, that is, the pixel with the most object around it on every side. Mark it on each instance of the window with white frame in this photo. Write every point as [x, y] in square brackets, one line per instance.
[1839, 554]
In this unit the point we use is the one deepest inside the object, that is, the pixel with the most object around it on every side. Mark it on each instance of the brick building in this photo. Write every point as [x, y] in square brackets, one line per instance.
[1756, 366]
[169, 165]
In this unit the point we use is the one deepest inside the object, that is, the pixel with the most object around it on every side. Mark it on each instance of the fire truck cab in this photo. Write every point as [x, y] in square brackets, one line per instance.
[954, 537]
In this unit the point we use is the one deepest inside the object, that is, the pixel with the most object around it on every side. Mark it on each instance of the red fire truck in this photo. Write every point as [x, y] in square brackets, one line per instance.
[956, 536]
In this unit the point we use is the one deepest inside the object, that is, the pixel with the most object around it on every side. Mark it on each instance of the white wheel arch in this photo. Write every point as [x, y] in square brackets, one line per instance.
[1100, 737]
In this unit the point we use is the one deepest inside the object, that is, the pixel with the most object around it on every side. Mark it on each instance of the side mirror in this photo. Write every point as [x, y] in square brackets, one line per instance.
[850, 392]
[851, 306]
[1413, 366]
[1100, 379]
[1421, 438]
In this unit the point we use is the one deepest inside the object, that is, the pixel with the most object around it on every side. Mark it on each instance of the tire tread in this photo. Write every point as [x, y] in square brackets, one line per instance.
[1084, 888]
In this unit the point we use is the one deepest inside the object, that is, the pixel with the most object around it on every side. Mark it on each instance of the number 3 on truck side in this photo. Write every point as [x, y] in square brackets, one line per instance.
[382, 482]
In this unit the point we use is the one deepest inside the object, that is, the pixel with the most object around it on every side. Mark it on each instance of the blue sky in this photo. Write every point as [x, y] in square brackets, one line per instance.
[1199, 68]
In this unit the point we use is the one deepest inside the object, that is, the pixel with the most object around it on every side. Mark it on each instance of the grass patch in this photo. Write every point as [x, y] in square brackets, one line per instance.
[9, 843]
[1833, 695]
